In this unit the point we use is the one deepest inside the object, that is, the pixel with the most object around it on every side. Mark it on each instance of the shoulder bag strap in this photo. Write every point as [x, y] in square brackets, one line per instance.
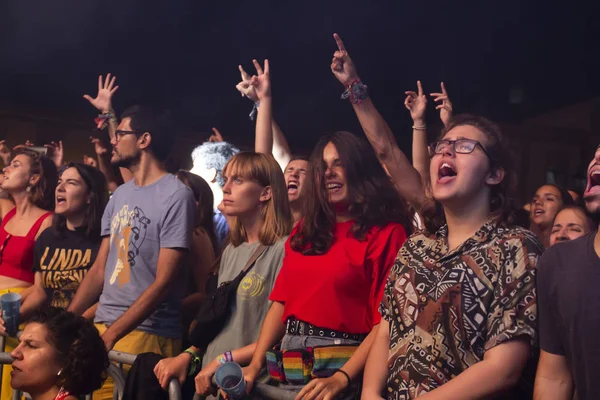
[257, 253]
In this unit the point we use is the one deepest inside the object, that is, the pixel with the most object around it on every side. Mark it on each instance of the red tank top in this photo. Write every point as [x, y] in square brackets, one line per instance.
[16, 252]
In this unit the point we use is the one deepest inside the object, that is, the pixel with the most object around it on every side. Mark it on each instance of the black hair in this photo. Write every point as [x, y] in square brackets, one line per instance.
[158, 123]
[565, 196]
[97, 189]
[215, 155]
[81, 350]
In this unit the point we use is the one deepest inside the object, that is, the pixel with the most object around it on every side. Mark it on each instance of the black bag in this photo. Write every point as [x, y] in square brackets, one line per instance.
[216, 309]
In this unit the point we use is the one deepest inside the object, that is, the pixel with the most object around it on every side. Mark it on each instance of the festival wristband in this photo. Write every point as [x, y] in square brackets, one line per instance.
[225, 357]
[356, 92]
[252, 114]
[196, 362]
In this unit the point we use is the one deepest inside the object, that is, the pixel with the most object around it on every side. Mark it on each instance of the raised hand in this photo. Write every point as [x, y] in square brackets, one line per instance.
[341, 64]
[445, 107]
[416, 103]
[106, 88]
[216, 136]
[99, 147]
[27, 143]
[55, 152]
[244, 87]
[90, 161]
[262, 81]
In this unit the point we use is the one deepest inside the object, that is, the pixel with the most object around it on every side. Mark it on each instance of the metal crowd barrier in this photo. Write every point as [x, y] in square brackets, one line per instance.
[261, 389]
[264, 391]
[114, 371]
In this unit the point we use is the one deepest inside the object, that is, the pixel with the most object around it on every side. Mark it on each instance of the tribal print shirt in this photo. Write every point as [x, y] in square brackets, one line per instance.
[446, 308]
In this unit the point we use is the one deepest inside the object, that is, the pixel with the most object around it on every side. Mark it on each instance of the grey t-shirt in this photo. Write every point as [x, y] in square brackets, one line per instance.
[140, 221]
[252, 301]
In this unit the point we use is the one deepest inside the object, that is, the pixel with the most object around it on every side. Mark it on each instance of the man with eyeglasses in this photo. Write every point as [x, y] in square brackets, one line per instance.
[147, 227]
[568, 301]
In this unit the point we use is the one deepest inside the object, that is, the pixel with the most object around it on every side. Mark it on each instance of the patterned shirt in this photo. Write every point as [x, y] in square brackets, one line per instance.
[446, 308]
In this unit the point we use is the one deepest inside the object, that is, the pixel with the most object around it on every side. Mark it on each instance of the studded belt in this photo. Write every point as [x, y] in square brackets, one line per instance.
[300, 328]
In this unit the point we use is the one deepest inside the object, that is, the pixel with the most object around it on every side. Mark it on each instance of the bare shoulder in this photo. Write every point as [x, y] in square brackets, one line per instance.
[46, 223]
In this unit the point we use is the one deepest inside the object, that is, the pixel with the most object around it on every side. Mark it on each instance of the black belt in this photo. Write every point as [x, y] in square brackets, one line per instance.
[300, 328]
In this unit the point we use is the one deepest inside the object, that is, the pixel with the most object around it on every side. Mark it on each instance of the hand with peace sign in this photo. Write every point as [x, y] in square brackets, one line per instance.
[262, 81]
[106, 88]
[416, 103]
[244, 87]
[445, 107]
[341, 64]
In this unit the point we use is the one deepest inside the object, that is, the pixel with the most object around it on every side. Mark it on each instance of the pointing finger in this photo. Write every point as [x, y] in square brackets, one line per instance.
[266, 66]
[339, 42]
[420, 88]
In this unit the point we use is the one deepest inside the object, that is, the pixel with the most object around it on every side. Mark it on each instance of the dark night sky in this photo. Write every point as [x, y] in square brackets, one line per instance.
[184, 53]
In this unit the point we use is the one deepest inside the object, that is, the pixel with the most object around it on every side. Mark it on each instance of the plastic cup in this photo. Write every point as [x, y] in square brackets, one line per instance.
[11, 312]
[230, 378]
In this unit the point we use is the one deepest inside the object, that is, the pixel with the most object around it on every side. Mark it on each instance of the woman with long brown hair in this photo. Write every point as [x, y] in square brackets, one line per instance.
[336, 264]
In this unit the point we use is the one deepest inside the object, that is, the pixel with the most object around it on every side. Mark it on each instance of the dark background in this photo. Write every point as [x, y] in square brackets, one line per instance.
[184, 54]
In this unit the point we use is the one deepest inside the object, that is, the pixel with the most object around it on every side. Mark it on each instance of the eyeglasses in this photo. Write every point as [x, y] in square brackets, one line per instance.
[119, 134]
[460, 146]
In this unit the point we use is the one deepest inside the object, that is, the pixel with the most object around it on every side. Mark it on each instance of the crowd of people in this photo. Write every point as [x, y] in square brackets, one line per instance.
[359, 273]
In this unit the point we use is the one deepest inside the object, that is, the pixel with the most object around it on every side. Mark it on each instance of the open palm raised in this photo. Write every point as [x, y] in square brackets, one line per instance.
[106, 88]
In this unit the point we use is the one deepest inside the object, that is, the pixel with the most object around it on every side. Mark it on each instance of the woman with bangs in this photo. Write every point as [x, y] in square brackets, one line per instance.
[255, 198]
[459, 306]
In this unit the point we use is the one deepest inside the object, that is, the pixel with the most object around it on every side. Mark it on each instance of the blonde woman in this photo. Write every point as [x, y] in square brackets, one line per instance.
[255, 197]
